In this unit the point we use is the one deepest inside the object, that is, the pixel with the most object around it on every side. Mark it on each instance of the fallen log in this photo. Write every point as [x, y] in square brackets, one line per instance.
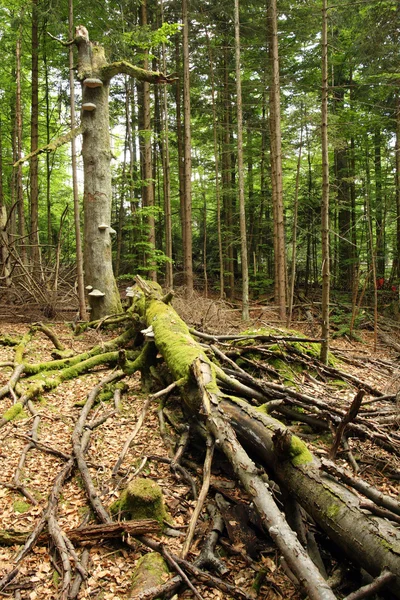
[367, 540]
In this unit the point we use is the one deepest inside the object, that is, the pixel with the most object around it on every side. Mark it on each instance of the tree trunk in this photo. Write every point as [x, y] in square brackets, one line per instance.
[276, 165]
[242, 211]
[96, 154]
[18, 170]
[34, 175]
[325, 189]
[379, 207]
[146, 157]
[77, 220]
[187, 163]
[5, 264]
[169, 281]
[397, 184]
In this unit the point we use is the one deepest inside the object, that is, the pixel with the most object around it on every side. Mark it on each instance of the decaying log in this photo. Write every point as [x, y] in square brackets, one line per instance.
[369, 541]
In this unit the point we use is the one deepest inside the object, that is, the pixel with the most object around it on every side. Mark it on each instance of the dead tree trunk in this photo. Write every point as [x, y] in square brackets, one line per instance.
[370, 541]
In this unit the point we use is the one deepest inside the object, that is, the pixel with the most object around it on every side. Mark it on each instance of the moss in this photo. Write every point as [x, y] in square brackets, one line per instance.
[12, 412]
[142, 499]
[332, 511]
[299, 453]
[151, 570]
[20, 506]
[173, 339]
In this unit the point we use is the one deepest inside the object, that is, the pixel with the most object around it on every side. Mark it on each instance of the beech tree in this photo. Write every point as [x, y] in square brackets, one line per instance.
[95, 74]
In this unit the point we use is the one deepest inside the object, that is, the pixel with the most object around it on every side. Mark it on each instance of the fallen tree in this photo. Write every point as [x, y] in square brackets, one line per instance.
[253, 441]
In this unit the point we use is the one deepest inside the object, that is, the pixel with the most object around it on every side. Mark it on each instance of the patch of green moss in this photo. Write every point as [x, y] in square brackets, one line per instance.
[20, 506]
[332, 511]
[299, 453]
[141, 499]
[13, 412]
[56, 578]
[150, 571]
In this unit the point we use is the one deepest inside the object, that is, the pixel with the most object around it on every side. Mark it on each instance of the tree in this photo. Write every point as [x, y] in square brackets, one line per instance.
[95, 74]
[325, 188]
[187, 159]
[276, 165]
[242, 211]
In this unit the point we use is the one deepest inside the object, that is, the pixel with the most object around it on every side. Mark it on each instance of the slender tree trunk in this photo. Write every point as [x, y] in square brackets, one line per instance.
[187, 250]
[147, 186]
[77, 222]
[227, 179]
[18, 171]
[169, 281]
[276, 163]
[325, 189]
[179, 139]
[48, 158]
[5, 264]
[379, 208]
[34, 179]
[216, 161]
[397, 184]
[242, 211]
[124, 183]
[294, 233]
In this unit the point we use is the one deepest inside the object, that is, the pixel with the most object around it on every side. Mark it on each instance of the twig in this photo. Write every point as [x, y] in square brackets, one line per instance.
[368, 590]
[202, 496]
[348, 418]
[19, 369]
[139, 424]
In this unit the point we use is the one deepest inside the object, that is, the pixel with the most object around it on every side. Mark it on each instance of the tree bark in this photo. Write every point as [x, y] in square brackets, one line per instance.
[242, 210]
[77, 221]
[187, 162]
[34, 162]
[95, 74]
[325, 189]
[276, 165]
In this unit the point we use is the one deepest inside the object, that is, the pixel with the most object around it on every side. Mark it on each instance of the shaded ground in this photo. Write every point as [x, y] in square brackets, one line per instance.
[111, 564]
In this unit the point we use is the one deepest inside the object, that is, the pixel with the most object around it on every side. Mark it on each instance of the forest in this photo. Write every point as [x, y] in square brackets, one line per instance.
[199, 299]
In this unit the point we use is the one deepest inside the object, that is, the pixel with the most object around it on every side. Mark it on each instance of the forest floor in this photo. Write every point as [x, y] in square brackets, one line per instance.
[111, 564]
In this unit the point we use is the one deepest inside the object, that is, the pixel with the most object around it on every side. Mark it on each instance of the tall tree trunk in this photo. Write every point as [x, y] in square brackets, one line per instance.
[397, 184]
[294, 231]
[48, 157]
[187, 151]
[216, 162]
[276, 164]
[379, 208]
[179, 140]
[18, 170]
[34, 178]
[5, 264]
[227, 181]
[77, 222]
[169, 281]
[96, 153]
[325, 189]
[147, 171]
[242, 210]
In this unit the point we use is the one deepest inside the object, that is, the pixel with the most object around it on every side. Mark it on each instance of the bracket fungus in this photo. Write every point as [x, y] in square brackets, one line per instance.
[92, 82]
[96, 294]
[103, 226]
[88, 106]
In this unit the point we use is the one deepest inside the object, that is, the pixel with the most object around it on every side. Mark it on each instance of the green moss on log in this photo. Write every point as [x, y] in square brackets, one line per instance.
[173, 339]
[151, 571]
[12, 412]
[299, 453]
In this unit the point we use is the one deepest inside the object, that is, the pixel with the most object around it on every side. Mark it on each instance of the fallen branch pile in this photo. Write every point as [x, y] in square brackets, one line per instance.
[221, 393]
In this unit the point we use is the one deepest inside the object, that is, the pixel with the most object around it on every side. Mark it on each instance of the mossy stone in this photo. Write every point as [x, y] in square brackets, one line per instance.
[141, 499]
[151, 570]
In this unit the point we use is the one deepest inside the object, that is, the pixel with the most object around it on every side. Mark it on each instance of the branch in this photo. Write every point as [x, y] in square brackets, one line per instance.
[69, 43]
[127, 68]
[63, 139]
